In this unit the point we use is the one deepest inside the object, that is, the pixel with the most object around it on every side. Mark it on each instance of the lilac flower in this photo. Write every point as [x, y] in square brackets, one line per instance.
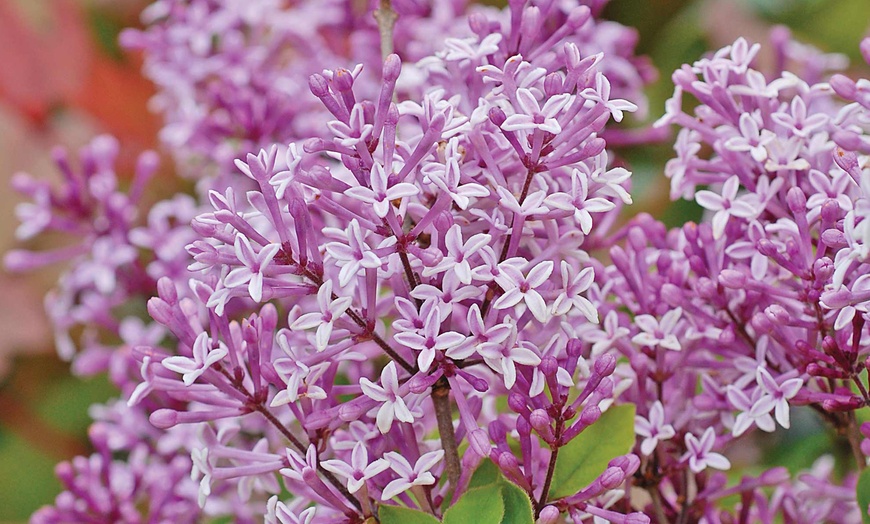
[575, 283]
[752, 411]
[419, 475]
[353, 132]
[354, 256]
[659, 333]
[777, 395]
[254, 265]
[205, 355]
[298, 377]
[393, 406]
[429, 339]
[601, 94]
[458, 254]
[505, 356]
[700, 453]
[381, 196]
[359, 469]
[653, 429]
[579, 202]
[751, 138]
[464, 48]
[483, 338]
[279, 513]
[523, 288]
[532, 116]
[330, 311]
[727, 205]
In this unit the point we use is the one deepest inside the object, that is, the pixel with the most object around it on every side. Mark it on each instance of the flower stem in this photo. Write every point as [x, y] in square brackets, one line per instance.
[386, 17]
[551, 467]
[444, 416]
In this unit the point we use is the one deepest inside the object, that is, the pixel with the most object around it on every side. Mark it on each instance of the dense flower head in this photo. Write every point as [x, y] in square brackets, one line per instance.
[398, 226]
[420, 235]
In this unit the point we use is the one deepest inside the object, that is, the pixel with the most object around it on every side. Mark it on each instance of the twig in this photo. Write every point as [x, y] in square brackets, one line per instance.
[551, 467]
[444, 416]
[386, 17]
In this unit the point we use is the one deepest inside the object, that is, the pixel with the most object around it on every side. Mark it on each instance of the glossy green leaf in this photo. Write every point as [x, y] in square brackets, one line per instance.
[586, 456]
[517, 506]
[398, 515]
[485, 474]
[483, 505]
[863, 492]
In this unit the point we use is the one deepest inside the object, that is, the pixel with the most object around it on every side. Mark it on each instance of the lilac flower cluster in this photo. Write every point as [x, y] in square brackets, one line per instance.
[400, 292]
[430, 231]
[728, 323]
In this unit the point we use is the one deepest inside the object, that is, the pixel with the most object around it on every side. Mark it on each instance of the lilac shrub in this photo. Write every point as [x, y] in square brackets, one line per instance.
[727, 323]
[400, 291]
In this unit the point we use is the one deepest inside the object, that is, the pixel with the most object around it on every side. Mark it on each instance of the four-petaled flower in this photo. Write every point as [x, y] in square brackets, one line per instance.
[324, 320]
[520, 288]
[659, 333]
[205, 355]
[254, 265]
[570, 298]
[530, 115]
[355, 132]
[727, 205]
[354, 256]
[777, 395]
[653, 429]
[393, 406]
[458, 254]
[429, 339]
[578, 201]
[409, 477]
[504, 357]
[601, 94]
[751, 411]
[298, 377]
[358, 470]
[700, 453]
[381, 195]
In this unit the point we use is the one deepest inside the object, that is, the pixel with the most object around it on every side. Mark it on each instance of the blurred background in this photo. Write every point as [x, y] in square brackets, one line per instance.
[64, 79]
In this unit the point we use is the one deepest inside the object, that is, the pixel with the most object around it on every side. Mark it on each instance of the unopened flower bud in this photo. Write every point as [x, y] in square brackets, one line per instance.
[497, 116]
[164, 418]
[611, 478]
[605, 365]
[548, 515]
[574, 347]
[479, 442]
[833, 238]
[777, 314]
[553, 84]
[627, 463]
[392, 67]
[590, 415]
[796, 200]
[318, 85]
[732, 279]
[843, 86]
[578, 16]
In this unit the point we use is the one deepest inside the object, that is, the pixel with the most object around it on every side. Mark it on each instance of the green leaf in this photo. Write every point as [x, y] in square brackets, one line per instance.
[399, 515]
[586, 456]
[480, 505]
[517, 506]
[485, 474]
[863, 492]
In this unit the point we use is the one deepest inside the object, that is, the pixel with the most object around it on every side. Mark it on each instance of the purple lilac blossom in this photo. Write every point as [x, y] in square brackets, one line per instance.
[366, 239]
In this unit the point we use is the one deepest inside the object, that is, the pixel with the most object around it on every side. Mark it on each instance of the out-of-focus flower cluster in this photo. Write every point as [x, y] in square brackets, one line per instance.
[376, 246]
